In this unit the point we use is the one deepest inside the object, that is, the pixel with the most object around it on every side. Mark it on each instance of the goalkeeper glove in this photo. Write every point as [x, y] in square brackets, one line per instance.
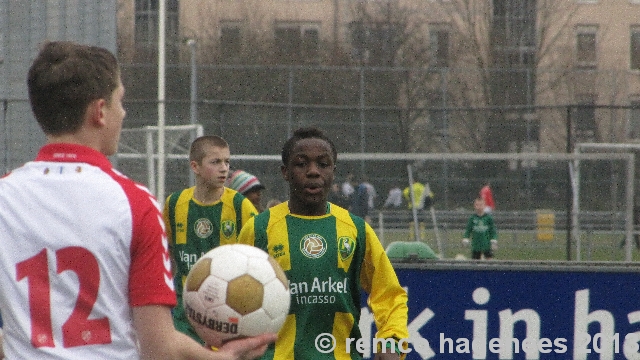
[494, 244]
[465, 242]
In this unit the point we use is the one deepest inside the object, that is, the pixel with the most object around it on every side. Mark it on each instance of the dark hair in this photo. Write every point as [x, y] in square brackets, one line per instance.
[197, 151]
[306, 133]
[64, 79]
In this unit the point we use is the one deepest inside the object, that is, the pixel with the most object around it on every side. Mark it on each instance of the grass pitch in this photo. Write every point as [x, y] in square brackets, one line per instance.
[525, 245]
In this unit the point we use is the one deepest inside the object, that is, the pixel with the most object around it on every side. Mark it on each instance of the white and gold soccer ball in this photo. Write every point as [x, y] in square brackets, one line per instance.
[235, 291]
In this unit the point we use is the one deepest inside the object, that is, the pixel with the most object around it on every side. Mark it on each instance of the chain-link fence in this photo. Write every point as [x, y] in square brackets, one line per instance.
[382, 110]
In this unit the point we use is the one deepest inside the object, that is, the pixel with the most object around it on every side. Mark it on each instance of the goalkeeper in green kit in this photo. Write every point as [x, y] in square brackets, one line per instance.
[482, 231]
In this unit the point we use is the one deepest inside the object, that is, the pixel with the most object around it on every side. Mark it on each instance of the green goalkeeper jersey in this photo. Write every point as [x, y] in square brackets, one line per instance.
[481, 230]
[194, 228]
[328, 260]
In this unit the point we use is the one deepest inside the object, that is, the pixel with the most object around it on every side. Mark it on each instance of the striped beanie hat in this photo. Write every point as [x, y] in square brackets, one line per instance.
[243, 182]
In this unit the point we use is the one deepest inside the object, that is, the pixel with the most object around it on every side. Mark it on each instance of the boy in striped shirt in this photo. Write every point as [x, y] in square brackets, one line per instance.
[329, 256]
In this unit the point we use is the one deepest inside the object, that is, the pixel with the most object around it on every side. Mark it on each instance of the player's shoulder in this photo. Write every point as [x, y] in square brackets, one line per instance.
[337, 210]
[234, 199]
[228, 192]
[24, 170]
[272, 215]
[123, 180]
[138, 194]
[230, 196]
[7, 175]
[12, 178]
[343, 215]
[180, 196]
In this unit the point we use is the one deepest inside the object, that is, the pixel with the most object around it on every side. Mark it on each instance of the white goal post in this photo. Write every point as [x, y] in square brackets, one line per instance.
[140, 143]
[573, 159]
[607, 147]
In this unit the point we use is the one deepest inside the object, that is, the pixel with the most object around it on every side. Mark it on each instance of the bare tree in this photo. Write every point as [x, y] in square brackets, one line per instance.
[390, 40]
[503, 52]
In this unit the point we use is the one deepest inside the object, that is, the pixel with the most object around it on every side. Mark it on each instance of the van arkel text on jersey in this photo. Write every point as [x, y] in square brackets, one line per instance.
[321, 292]
[213, 324]
[189, 259]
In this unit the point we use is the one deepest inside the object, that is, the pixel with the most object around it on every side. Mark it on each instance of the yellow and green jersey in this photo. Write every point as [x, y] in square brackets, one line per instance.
[194, 228]
[328, 260]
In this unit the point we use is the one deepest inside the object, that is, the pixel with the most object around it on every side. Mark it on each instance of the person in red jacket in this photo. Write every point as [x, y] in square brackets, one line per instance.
[487, 195]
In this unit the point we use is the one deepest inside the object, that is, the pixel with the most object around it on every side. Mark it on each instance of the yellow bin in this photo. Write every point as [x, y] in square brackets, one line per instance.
[546, 222]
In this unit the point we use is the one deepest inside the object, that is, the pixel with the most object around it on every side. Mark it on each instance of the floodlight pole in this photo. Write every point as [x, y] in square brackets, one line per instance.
[194, 83]
[574, 185]
[5, 106]
[569, 150]
[194, 98]
[289, 102]
[630, 191]
[362, 118]
[161, 99]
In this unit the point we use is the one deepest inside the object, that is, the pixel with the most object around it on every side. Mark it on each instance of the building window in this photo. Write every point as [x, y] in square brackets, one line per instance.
[439, 43]
[585, 118]
[374, 44]
[513, 45]
[146, 27]
[146, 22]
[586, 46]
[634, 120]
[359, 42]
[230, 39]
[635, 48]
[514, 31]
[297, 42]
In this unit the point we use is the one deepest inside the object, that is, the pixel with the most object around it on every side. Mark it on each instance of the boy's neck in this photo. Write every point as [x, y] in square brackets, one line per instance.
[207, 195]
[306, 210]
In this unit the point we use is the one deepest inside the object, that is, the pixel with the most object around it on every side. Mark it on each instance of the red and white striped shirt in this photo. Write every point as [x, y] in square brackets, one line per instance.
[80, 245]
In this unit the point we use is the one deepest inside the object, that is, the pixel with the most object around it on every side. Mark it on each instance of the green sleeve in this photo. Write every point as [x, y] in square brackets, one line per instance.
[467, 232]
[493, 232]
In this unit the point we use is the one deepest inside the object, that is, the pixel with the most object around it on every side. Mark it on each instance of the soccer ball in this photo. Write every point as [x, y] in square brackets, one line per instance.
[235, 291]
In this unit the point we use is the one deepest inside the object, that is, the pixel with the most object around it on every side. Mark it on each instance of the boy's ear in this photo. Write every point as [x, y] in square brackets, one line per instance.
[94, 113]
[193, 165]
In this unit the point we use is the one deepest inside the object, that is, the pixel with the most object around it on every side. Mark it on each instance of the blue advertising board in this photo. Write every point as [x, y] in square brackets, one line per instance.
[482, 310]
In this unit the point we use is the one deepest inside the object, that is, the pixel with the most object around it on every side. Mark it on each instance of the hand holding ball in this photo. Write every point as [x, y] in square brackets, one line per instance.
[235, 291]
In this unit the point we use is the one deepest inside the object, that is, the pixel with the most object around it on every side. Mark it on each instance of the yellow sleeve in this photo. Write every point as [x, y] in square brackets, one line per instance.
[387, 299]
[248, 210]
[247, 234]
[167, 222]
